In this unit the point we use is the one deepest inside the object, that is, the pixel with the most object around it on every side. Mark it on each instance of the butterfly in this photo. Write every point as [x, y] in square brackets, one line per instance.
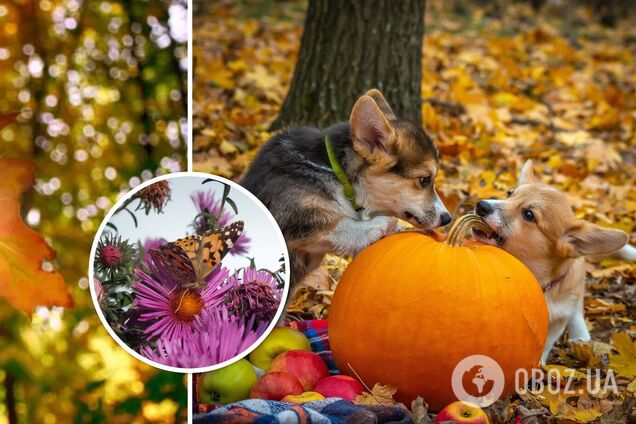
[190, 259]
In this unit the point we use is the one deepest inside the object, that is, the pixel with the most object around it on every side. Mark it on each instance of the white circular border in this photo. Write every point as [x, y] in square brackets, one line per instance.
[233, 185]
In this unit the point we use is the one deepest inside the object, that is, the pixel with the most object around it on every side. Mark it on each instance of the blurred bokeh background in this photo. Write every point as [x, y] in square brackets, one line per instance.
[102, 90]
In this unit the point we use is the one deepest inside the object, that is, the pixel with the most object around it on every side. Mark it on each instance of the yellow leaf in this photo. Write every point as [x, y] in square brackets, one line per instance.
[624, 362]
[219, 74]
[227, 148]
[600, 306]
[209, 132]
[564, 372]
[608, 272]
[380, 395]
[580, 413]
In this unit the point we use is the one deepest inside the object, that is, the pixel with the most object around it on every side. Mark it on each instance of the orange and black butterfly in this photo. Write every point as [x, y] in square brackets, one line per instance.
[190, 259]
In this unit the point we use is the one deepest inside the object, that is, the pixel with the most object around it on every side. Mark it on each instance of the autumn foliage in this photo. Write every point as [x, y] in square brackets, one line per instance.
[25, 284]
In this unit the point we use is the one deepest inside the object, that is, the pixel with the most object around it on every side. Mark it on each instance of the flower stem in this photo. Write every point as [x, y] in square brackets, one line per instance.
[462, 225]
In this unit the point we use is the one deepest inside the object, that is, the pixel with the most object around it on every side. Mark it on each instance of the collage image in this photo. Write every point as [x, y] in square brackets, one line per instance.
[317, 211]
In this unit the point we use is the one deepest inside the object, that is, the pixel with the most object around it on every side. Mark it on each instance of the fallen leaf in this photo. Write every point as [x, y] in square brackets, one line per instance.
[600, 307]
[624, 362]
[564, 372]
[585, 411]
[380, 395]
[615, 270]
[23, 281]
[419, 411]
[227, 148]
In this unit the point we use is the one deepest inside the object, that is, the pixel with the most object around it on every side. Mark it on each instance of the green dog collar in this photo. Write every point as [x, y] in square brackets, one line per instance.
[347, 188]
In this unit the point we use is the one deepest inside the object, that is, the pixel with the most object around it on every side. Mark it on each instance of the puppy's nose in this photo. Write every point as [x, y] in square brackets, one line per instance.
[483, 208]
[445, 219]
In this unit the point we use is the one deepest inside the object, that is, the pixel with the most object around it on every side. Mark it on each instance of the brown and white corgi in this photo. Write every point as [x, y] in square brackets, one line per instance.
[536, 225]
[390, 164]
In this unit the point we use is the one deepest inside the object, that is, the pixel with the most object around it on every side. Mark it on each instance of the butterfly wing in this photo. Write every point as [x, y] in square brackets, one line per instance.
[215, 245]
[176, 263]
[190, 246]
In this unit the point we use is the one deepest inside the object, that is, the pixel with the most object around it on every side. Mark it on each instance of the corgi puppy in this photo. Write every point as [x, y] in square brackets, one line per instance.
[388, 164]
[537, 226]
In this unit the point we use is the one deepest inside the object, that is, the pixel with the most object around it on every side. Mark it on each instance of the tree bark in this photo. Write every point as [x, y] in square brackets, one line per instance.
[9, 398]
[350, 46]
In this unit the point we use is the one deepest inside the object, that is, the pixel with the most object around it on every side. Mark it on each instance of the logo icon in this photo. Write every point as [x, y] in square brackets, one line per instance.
[478, 379]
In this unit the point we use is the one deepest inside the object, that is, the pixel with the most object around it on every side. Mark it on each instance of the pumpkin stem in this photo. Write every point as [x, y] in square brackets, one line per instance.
[462, 225]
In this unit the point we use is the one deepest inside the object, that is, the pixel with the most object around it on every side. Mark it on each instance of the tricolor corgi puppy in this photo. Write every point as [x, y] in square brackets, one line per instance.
[536, 225]
[338, 190]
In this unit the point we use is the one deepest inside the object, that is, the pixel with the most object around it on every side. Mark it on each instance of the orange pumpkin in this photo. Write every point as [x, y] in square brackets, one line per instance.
[409, 308]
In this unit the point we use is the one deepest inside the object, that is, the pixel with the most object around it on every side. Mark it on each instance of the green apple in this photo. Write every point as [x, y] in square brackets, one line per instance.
[228, 384]
[280, 340]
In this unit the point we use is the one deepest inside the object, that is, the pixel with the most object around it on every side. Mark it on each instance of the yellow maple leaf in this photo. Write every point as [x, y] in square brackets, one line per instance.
[624, 362]
[380, 395]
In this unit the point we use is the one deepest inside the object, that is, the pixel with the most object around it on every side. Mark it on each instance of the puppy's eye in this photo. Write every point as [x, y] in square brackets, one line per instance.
[528, 215]
[509, 192]
[425, 181]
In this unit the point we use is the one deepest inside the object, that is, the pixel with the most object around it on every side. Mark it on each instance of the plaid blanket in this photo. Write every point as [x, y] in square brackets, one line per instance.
[327, 411]
[317, 333]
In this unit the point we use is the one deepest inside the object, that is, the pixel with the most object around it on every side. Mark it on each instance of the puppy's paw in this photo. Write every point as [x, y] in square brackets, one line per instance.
[393, 226]
[385, 225]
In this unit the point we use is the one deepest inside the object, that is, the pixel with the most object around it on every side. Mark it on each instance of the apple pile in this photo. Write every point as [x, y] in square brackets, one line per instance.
[291, 373]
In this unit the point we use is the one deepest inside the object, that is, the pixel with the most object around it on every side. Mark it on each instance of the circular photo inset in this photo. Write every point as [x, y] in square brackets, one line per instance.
[189, 272]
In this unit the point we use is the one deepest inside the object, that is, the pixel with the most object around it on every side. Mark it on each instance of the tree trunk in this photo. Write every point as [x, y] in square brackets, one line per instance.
[9, 398]
[350, 46]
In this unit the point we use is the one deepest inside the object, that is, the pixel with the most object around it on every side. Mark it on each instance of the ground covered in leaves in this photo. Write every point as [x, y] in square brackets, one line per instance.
[500, 86]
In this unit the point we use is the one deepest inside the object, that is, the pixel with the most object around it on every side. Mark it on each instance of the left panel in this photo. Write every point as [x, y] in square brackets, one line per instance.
[93, 102]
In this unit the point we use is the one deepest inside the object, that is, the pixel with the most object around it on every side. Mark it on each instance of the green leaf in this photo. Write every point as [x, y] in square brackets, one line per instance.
[232, 204]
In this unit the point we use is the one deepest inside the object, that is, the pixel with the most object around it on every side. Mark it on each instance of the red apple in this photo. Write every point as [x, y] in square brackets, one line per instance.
[340, 386]
[307, 367]
[275, 386]
[462, 412]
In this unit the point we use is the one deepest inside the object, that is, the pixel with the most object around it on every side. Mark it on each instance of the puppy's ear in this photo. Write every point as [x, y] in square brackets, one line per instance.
[584, 238]
[527, 174]
[379, 99]
[373, 135]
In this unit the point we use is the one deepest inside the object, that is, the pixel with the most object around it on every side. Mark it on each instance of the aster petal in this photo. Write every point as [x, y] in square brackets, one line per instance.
[217, 338]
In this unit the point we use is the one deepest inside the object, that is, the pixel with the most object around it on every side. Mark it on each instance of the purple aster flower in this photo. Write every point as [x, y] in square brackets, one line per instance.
[217, 338]
[153, 243]
[255, 293]
[205, 202]
[168, 309]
